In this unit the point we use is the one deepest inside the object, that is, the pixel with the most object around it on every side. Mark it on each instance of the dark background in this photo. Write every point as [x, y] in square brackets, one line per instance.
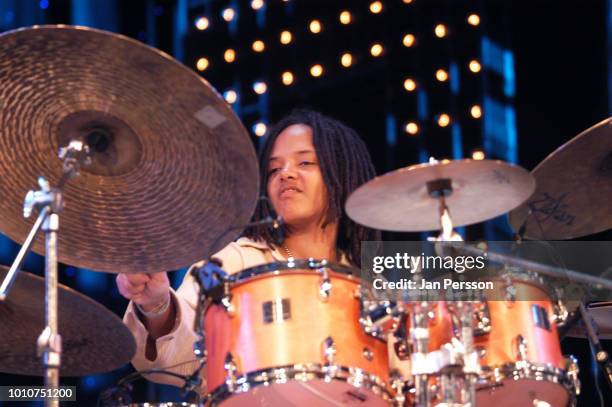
[560, 68]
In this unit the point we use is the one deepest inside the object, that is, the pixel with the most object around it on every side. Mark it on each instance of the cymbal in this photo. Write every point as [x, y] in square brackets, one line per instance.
[574, 189]
[94, 340]
[174, 168]
[399, 200]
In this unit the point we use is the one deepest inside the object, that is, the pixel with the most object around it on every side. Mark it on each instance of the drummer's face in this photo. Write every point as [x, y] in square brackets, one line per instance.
[295, 184]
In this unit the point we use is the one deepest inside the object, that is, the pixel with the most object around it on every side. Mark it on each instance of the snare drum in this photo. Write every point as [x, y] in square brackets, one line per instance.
[289, 334]
[521, 356]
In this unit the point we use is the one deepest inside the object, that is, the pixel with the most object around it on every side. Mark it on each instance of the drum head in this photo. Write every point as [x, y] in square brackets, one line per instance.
[314, 393]
[523, 392]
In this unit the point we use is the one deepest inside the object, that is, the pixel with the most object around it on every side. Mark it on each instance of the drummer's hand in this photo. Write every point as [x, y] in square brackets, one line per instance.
[146, 290]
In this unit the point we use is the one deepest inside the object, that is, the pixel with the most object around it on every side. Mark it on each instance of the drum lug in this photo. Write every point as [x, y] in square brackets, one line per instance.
[329, 355]
[226, 300]
[230, 368]
[398, 384]
[521, 348]
[329, 350]
[571, 367]
[483, 319]
[325, 286]
[367, 354]
[510, 289]
[357, 292]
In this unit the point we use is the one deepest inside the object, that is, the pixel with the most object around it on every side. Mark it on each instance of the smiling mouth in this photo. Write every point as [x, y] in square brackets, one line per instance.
[289, 190]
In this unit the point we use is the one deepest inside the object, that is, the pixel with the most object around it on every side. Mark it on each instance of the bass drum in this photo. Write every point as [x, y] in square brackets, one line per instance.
[288, 334]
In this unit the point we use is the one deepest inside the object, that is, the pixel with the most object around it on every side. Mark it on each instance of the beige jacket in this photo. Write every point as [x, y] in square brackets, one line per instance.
[176, 348]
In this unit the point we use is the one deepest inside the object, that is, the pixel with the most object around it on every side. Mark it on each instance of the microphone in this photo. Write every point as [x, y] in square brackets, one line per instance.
[211, 277]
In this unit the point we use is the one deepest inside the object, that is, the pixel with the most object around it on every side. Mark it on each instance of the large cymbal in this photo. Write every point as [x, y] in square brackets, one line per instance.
[574, 189]
[94, 340]
[180, 168]
[399, 200]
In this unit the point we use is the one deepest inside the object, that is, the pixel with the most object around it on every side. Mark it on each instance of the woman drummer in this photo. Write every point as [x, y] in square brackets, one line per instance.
[309, 166]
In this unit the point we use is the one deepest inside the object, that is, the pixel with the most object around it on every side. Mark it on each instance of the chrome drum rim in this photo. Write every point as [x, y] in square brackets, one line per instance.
[356, 377]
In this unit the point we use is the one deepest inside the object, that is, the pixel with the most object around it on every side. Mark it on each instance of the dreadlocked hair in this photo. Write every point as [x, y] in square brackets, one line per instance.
[345, 165]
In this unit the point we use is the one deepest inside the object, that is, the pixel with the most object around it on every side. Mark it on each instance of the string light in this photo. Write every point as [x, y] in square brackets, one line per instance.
[476, 112]
[407, 1]
[260, 87]
[345, 17]
[202, 64]
[258, 46]
[408, 40]
[287, 78]
[412, 128]
[440, 31]
[441, 75]
[257, 4]
[316, 70]
[376, 50]
[443, 120]
[260, 129]
[230, 96]
[315, 26]
[475, 66]
[202, 23]
[473, 19]
[346, 59]
[286, 37]
[228, 14]
[376, 7]
[229, 55]
[478, 155]
[410, 85]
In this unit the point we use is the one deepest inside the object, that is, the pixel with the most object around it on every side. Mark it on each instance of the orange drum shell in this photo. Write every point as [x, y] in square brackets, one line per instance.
[256, 345]
[509, 319]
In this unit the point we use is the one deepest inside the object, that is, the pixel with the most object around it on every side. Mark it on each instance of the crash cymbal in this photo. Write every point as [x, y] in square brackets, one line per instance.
[94, 340]
[175, 168]
[400, 201]
[574, 189]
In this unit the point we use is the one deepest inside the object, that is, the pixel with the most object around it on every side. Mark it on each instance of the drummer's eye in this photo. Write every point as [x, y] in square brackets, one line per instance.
[305, 163]
[273, 170]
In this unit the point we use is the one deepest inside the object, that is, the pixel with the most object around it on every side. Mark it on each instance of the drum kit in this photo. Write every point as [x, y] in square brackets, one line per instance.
[142, 184]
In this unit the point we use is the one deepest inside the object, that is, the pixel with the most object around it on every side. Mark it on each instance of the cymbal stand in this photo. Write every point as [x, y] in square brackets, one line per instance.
[419, 333]
[601, 356]
[49, 202]
[462, 365]
[440, 189]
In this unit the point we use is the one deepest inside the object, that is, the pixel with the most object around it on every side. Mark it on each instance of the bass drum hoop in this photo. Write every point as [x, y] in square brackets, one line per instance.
[358, 378]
